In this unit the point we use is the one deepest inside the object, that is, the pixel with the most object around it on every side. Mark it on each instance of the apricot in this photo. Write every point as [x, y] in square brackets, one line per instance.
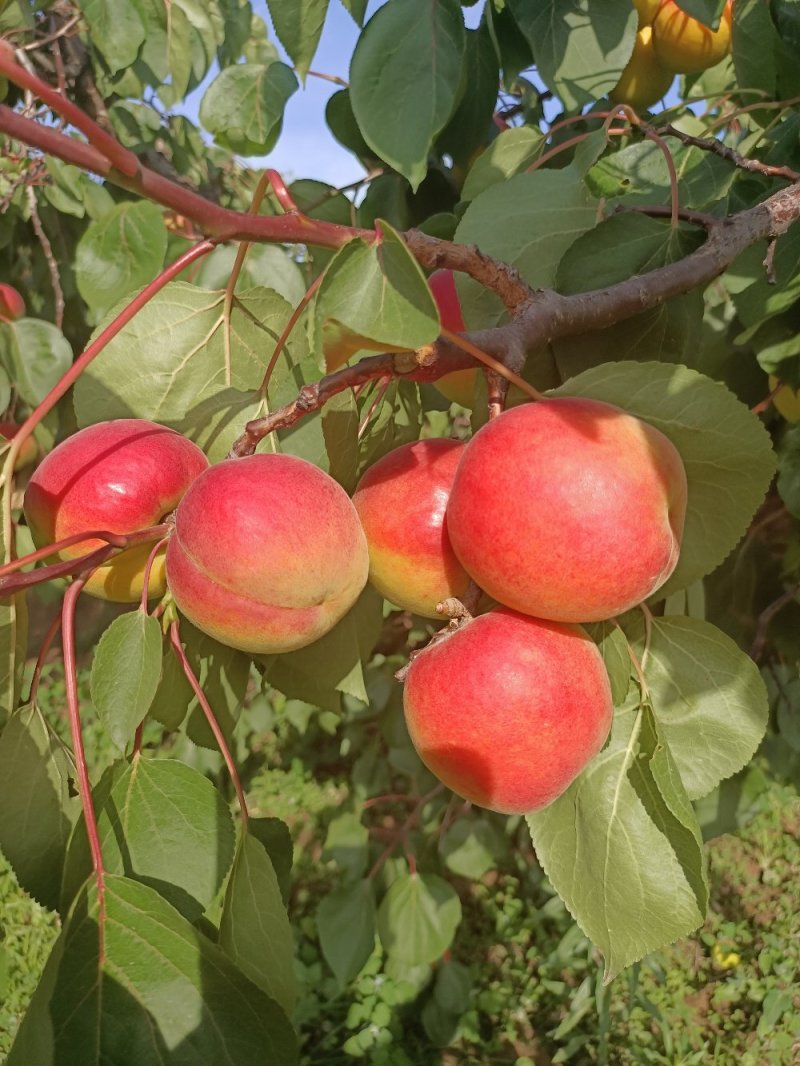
[684, 45]
[401, 502]
[459, 386]
[508, 709]
[643, 81]
[647, 11]
[12, 306]
[568, 509]
[117, 476]
[267, 553]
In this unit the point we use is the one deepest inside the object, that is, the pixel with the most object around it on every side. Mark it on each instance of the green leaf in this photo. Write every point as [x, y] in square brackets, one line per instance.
[374, 296]
[342, 123]
[166, 825]
[357, 8]
[38, 354]
[640, 175]
[334, 663]
[223, 674]
[508, 154]
[617, 249]
[404, 79]
[346, 927]
[753, 42]
[120, 253]
[580, 47]
[125, 674]
[472, 847]
[266, 265]
[765, 298]
[37, 811]
[174, 694]
[299, 28]
[614, 648]
[708, 697]
[789, 470]
[346, 843]
[470, 125]
[398, 421]
[627, 866]
[255, 931]
[116, 29]
[551, 209]
[170, 365]
[725, 449]
[275, 837]
[418, 918]
[243, 106]
[163, 993]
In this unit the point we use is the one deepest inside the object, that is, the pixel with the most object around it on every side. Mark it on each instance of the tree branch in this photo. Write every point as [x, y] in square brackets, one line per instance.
[549, 316]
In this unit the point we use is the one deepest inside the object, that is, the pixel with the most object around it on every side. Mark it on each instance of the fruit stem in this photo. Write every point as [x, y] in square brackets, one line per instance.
[84, 784]
[47, 643]
[492, 363]
[177, 647]
[151, 558]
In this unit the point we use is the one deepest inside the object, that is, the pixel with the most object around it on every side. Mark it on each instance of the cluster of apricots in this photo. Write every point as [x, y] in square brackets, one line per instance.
[563, 511]
[669, 42]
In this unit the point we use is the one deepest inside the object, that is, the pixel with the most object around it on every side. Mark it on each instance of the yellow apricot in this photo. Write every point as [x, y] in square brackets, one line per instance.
[684, 45]
[643, 80]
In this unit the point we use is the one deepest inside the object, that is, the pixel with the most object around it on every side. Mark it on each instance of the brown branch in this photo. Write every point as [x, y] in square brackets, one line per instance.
[548, 316]
[295, 228]
[711, 144]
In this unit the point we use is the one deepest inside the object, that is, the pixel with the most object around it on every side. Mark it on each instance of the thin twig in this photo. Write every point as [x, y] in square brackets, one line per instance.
[82, 770]
[50, 259]
[219, 736]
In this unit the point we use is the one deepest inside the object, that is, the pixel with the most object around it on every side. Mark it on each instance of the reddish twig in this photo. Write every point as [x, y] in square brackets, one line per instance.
[151, 558]
[219, 736]
[14, 583]
[121, 158]
[84, 784]
[286, 332]
[377, 400]
[494, 364]
[47, 643]
[119, 540]
[282, 194]
[241, 255]
[404, 829]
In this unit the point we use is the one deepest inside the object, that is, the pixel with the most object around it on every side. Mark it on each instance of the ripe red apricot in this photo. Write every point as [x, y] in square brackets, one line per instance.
[29, 452]
[568, 509]
[401, 502]
[508, 709]
[12, 306]
[267, 553]
[117, 476]
[685, 45]
[459, 386]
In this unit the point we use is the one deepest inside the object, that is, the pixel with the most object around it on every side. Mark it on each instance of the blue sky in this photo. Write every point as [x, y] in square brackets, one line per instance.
[306, 148]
